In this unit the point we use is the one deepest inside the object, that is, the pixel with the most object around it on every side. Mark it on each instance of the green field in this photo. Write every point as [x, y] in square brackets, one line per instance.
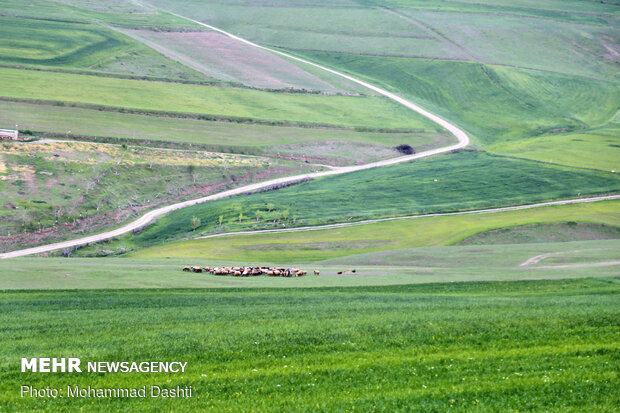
[537, 345]
[318, 143]
[456, 182]
[109, 12]
[399, 265]
[222, 101]
[481, 65]
[65, 45]
[312, 246]
[517, 112]
[543, 232]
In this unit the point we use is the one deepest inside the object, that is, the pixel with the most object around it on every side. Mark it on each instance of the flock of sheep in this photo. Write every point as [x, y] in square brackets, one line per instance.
[251, 271]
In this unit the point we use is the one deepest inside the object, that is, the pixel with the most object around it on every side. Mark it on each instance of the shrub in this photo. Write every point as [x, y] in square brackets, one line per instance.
[405, 149]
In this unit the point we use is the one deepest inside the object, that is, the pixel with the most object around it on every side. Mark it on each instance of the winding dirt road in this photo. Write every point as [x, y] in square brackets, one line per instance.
[460, 135]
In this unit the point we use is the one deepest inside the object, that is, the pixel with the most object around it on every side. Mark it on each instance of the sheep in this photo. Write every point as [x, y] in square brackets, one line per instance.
[316, 272]
[187, 268]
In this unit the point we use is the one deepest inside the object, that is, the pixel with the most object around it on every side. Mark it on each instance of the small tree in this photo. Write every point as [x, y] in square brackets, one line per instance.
[259, 215]
[285, 214]
[195, 223]
[221, 219]
[270, 207]
[240, 216]
[294, 219]
[276, 216]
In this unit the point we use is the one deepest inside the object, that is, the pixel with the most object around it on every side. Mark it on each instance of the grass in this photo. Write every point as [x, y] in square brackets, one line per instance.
[505, 34]
[456, 182]
[313, 246]
[222, 101]
[539, 233]
[511, 105]
[399, 265]
[537, 345]
[105, 12]
[597, 148]
[220, 136]
[63, 188]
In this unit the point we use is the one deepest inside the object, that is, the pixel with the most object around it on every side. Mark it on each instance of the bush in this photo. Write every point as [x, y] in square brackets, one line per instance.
[405, 149]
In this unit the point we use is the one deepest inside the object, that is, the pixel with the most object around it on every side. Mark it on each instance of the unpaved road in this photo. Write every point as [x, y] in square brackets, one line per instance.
[370, 221]
[460, 135]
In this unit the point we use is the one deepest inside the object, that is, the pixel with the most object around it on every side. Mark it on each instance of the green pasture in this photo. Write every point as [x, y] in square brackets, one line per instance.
[597, 148]
[544, 232]
[222, 136]
[576, 33]
[495, 104]
[114, 12]
[535, 345]
[319, 245]
[399, 265]
[455, 182]
[222, 101]
[65, 45]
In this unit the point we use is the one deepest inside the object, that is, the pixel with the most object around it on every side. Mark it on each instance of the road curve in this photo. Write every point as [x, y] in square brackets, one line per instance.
[372, 221]
[460, 135]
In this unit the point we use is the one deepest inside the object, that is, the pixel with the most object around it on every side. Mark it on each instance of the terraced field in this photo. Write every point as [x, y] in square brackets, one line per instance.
[336, 145]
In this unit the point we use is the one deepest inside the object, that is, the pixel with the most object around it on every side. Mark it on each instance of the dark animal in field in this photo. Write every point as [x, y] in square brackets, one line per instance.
[339, 273]
[316, 272]
[196, 269]
[187, 268]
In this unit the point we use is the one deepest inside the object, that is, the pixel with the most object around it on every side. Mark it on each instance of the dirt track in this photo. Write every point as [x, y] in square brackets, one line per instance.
[460, 135]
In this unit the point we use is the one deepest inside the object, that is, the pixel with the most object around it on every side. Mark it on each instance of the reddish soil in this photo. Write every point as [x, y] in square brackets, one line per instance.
[227, 59]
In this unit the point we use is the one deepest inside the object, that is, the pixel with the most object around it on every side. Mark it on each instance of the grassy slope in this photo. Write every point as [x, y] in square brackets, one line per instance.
[73, 188]
[469, 62]
[383, 236]
[57, 11]
[463, 181]
[543, 346]
[539, 233]
[243, 137]
[64, 45]
[339, 110]
[508, 110]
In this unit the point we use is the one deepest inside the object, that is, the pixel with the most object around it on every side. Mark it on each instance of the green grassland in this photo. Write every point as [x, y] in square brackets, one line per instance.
[596, 148]
[223, 101]
[507, 110]
[51, 191]
[537, 345]
[65, 45]
[456, 182]
[481, 65]
[539, 233]
[81, 12]
[313, 246]
[574, 42]
[396, 266]
[66, 122]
